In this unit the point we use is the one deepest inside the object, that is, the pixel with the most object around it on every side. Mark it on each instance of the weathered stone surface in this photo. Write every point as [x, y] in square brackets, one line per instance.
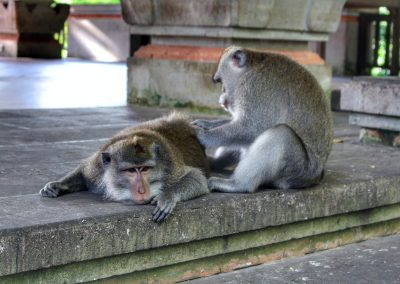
[254, 14]
[289, 15]
[372, 95]
[194, 13]
[153, 69]
[228, 33]
[98, 239]
[373, 261]
[375, 121]
[138, 12]
[150, 82]
[324, 16]
[300, 15]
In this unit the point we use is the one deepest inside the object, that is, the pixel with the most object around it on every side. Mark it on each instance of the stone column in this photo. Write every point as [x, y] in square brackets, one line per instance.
[187, 37]
[28, 28]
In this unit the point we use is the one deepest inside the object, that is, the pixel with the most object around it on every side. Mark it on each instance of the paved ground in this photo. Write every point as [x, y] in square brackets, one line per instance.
[374, 261]
[27, 83]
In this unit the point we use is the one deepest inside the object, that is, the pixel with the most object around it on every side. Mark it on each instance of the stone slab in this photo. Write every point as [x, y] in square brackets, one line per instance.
[53, 232]
[300, 15]
[373, 261]
[379, 96]
[218, 32]
[375, 121]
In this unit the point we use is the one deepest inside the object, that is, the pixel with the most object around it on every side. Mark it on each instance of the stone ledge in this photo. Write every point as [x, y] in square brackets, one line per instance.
[56, 232]
[218, 32]
[378, 96]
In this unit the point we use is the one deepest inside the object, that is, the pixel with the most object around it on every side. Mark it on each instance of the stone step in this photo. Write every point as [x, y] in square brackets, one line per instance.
[78, 237]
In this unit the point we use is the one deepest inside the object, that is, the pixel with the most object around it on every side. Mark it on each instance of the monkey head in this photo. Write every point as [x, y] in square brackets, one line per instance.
[231, 67]
[130, 170]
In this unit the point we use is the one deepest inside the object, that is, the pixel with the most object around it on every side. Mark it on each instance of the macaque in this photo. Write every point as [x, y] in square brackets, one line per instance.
[280, 133]
[159, 162]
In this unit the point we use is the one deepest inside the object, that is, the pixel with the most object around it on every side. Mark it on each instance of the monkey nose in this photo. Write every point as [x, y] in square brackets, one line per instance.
[216, 79]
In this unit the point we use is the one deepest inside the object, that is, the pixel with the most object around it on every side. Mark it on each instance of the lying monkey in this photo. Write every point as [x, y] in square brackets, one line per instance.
[159, 161]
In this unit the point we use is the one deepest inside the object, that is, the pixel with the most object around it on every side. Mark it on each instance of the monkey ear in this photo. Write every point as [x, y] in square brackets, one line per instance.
[239, 58]
[105, 158]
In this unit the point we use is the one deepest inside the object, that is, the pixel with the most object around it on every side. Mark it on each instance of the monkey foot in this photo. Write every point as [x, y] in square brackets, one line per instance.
[50, 190]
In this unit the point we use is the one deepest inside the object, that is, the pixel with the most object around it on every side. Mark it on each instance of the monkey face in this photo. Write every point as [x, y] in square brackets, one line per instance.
[130, 172]
[231, 66]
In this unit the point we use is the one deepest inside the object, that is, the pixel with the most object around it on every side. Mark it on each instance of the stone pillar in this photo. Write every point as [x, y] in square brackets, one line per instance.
[28, 28]
[187, 37]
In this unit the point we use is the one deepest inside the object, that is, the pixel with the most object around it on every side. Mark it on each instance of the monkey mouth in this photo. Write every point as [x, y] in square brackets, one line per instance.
[141, 201]
[223, 101]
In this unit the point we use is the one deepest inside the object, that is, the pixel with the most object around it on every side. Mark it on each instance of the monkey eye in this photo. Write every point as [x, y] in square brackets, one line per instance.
[145, 169]
[136, 169]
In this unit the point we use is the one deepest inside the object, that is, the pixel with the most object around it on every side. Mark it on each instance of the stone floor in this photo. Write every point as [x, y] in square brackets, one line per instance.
[373, 261]
[27, 83]
[44, 134]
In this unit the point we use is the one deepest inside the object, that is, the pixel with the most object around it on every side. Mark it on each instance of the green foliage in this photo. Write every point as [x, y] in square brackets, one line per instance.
[379, 71]
[88, 2]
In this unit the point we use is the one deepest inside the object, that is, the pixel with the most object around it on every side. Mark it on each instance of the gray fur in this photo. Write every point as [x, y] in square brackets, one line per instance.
[168, 145]
[281, 122]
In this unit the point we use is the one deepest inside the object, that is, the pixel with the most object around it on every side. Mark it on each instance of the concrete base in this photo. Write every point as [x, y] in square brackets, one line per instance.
[79, 237]
[176, 76]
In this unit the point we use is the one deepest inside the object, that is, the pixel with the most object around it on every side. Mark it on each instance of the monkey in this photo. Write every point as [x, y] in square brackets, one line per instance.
[280, 132]
[159, 162]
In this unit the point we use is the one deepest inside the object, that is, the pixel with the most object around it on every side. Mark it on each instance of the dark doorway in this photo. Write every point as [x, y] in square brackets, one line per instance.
[378, 34]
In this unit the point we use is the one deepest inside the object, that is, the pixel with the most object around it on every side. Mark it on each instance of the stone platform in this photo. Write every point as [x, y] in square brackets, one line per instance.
[79, 237]
[374, 105]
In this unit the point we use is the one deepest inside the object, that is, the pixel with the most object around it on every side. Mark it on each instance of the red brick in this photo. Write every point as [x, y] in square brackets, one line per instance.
[212, 54]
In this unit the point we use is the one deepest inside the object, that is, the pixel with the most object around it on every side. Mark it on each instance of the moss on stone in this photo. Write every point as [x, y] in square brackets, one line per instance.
[210, 256]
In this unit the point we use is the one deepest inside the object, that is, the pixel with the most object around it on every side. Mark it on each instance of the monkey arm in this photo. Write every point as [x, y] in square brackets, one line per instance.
[72, 182]
[230, 134]
[210, 124]
[192, 184]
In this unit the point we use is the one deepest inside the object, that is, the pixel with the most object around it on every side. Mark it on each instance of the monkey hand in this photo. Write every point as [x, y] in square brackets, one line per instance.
[203, 124]
[52, 189]
[201, 135]
[165, 204]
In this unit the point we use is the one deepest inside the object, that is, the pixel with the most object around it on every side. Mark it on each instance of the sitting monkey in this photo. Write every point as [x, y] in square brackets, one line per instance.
[280, 132]
[159, 161]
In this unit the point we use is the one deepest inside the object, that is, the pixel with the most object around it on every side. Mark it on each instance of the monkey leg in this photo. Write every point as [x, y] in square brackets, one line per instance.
[277, 157]
[224, 158]
[72, 182]
[191, 185]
